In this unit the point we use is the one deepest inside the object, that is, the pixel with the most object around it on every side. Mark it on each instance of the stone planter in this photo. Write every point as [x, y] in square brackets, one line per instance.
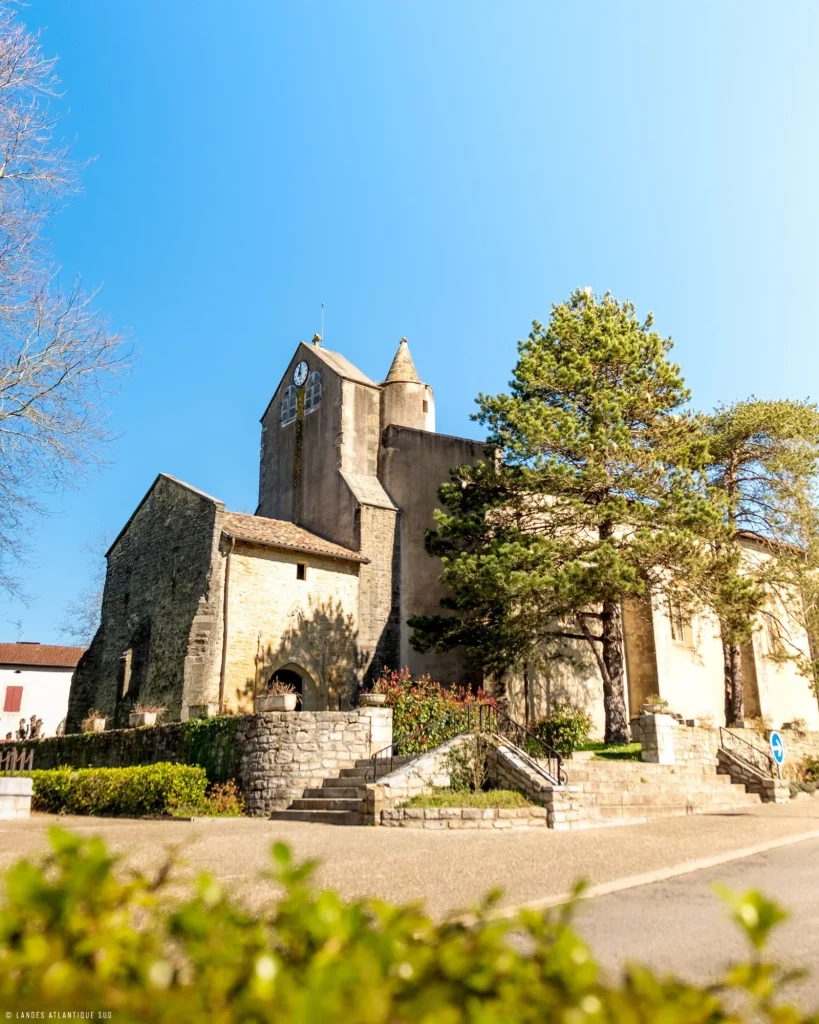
[654, 709]
[277, 702]
[372, 700]
[94, 725]
[137, 719]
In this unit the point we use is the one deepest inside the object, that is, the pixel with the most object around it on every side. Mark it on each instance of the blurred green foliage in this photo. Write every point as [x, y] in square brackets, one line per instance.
[78, 934]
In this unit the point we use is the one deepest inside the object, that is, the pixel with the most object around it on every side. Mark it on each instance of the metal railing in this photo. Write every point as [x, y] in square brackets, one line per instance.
[16, 762]
[761, 760]
[478, 718]
[497, 722]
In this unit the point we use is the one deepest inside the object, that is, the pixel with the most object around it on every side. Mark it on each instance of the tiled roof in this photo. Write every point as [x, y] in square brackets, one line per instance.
[276, 533]
[40, 655]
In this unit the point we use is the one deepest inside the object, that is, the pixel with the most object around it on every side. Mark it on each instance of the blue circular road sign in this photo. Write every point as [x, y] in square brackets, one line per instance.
[777, 747]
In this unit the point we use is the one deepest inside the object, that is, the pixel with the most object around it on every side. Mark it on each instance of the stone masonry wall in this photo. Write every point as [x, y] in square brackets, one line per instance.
[159, 633]
[464, 817]
[277, 754]
[277, 620]
[284, 753]
[379, 589]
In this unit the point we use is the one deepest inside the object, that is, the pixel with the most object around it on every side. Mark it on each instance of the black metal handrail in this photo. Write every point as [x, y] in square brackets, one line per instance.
[487, 718]
[390, 752]
[761, 760]
[493, 720]
[16, 762]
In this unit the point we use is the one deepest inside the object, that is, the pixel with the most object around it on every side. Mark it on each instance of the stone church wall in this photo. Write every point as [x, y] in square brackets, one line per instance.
[160, 630]
[379, 590]
[412, 466]
[276, 620]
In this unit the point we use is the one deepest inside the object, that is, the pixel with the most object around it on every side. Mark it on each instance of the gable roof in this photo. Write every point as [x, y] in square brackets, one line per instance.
[334, 360]
[276, 533]
[146, 495]
[40, 655]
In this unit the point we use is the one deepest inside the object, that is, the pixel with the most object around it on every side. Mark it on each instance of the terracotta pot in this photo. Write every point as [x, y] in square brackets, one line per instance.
[137, 719]
[372, 700]
[277, 702]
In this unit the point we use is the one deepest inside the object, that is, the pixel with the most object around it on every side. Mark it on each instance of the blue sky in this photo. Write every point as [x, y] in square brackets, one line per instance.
[442, 171]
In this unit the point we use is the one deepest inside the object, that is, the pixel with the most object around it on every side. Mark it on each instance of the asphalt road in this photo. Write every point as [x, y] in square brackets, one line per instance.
[682, 926]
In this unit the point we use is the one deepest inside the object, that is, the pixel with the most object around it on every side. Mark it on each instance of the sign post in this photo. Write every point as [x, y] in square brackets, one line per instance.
[778, 751]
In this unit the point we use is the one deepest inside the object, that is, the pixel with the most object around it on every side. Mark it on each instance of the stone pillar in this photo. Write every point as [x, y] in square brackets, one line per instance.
[657, 738]
[15, 797]
[380, 727]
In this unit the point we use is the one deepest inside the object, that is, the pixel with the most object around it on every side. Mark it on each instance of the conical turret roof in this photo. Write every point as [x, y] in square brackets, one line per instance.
[403, 368]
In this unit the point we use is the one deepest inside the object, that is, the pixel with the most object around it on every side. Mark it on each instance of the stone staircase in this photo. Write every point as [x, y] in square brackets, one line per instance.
[340, 800]
[610, 791]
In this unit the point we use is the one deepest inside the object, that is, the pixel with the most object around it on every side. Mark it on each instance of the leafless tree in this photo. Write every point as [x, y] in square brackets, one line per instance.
[81, 617]
[58, 355]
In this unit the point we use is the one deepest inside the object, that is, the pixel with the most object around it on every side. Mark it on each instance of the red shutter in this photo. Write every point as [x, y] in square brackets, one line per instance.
[14, 697]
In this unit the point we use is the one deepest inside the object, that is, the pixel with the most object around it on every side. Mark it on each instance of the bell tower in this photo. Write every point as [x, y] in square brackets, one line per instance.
[405, 400]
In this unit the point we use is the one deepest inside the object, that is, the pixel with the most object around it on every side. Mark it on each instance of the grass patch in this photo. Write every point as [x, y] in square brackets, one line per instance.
[614, 751]
[465, 798]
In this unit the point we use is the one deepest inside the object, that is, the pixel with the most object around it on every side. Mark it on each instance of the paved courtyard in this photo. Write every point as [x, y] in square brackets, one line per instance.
[448, 871]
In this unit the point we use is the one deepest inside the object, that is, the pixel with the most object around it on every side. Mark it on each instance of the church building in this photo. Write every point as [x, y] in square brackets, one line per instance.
[202, 606]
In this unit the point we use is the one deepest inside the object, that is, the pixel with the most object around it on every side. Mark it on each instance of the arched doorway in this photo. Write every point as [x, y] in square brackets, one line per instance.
[302, 683]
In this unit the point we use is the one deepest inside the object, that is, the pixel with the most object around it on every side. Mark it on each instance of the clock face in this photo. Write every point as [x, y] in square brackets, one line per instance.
[300, 373]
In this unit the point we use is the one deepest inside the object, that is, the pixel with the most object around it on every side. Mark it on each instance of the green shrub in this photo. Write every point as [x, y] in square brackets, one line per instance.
[459, 798]
[810, 769]
[565, 730]
[68, 941]
[222, 800]
[425, 713]
[128, 792]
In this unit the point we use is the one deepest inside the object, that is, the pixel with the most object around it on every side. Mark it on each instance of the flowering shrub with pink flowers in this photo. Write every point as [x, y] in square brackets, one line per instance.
[427, 713]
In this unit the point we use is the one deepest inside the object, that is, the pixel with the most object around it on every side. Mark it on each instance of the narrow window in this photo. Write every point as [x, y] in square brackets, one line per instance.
[301, 571]
[426, 405]
[681, 629]
[289, 404]
[14, 698]
[312, 396]
[773, 634]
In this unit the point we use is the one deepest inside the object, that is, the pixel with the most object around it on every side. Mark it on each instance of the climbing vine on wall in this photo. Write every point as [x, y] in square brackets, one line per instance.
[211, 743]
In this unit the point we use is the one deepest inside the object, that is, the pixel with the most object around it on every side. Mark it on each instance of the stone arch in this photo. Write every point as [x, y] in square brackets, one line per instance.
[303, 682]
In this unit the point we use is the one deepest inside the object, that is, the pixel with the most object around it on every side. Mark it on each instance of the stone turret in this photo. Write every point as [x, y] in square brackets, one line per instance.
[405, 400]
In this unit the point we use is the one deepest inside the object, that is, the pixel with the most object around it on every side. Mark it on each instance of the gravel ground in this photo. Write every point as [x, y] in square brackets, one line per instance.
[448, 871]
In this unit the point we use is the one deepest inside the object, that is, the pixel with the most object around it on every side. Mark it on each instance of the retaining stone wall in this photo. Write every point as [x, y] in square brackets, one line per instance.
[283, 753]
[277, 754]
[464, 817]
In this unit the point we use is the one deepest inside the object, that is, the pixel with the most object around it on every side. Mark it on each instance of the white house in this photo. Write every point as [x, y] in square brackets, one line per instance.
[35, 680]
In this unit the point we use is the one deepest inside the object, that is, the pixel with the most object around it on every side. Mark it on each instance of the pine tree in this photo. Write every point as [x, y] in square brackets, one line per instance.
[594, 496]
[764, 461]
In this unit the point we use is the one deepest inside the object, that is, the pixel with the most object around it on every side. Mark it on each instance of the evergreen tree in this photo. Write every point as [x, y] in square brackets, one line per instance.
[594, 496]
[764, 460]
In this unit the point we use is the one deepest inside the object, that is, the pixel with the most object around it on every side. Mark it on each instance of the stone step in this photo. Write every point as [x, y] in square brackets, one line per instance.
[346, 782]
[336, 793]
[663, 799]
[319, 817]
[692, 786]
[325, 804]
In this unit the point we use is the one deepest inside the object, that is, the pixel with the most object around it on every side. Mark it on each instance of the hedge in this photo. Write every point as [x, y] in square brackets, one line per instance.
[78, 933]
[128, 792]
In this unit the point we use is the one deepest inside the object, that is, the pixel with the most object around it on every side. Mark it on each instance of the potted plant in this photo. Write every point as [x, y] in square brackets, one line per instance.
[373, 698]
[94, 721]
[279, 697]
[145, 714]
[654, 705]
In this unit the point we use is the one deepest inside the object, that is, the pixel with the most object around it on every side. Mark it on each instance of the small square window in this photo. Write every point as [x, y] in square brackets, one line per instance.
[301, 571]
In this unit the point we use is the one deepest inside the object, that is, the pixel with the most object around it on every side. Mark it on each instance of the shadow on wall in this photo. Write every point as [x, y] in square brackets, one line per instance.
[320, 645]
